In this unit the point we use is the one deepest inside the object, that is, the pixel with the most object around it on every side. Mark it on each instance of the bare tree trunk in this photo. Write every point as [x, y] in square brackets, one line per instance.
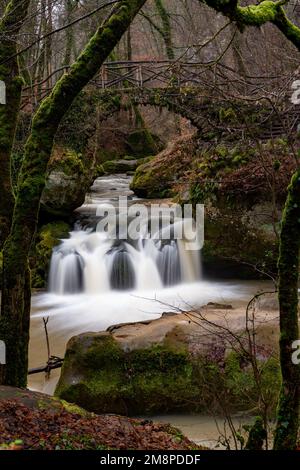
[15, 309]
[69, 7]
[166, 29]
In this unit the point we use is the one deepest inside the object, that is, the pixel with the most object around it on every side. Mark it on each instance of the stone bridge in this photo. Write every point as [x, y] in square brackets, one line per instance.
[217, 101]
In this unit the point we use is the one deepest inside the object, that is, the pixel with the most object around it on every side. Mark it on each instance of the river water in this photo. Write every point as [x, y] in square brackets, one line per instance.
[95, 282]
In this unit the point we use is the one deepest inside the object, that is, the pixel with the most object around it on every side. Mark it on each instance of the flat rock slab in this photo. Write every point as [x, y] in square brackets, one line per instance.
[189, 327]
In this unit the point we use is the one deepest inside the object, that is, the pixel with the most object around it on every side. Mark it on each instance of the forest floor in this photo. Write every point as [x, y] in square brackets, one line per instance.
[33, 421]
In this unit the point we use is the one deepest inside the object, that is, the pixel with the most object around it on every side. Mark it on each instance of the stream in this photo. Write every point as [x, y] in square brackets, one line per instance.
[95, 282]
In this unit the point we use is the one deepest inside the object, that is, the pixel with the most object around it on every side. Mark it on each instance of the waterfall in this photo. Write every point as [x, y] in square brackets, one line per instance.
[66, 273]
[169, 264]
[122, 275]
[95, 272]
[90, 262]
[93, 264]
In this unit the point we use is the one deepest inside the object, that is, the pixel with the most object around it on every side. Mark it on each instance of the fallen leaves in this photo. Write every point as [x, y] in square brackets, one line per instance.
[56, 428]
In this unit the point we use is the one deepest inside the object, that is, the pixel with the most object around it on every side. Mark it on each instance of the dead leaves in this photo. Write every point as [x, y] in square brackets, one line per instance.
[31, 428]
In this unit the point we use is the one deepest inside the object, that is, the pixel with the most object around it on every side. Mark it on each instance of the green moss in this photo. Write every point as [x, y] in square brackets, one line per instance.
[69, 161]
[257, 15]
[227, 115]
[257, 435]
[72, 408]
[148, 183]
[288, 266]
[128, 157]
[232, 247]
[99, 171]
[156, 378]
[212, 164]
[47, 238]
[143, 143]
[123, 166]
[115, 167]
[100, 376]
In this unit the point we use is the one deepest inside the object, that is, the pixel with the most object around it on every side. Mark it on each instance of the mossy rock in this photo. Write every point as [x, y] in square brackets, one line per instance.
[147, 183]
[126, 165]
[158, 177]
[101, 375]
[119, 166]
[143, 143]
[70, 175]
[234, 248]
[108, 379]
[47, 238]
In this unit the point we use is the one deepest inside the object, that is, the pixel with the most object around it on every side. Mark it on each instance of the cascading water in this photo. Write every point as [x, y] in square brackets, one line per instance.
[96, 282]
[92, 263]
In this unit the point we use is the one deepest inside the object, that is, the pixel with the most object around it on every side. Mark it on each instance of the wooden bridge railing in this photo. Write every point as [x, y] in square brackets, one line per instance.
[150, 74]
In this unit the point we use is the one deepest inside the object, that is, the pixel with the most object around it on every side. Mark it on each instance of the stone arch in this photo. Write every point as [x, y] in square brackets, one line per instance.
[210, 114]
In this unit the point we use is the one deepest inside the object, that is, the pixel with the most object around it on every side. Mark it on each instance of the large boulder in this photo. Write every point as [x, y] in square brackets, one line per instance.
[158, 177]
[70, 175]
[170, 364]
[64, 193]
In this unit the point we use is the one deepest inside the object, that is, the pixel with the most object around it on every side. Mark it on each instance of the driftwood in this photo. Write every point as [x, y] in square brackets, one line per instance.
[52, 363]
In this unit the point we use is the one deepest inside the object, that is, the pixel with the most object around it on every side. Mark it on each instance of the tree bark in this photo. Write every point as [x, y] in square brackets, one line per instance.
[69, 7]
[10, 25]
[166, 29]
[15, 309]
[288, 408]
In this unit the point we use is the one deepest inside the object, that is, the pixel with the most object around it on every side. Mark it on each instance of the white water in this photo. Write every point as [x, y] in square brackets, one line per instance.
[87, 289]
[91, 262]
[95, 282]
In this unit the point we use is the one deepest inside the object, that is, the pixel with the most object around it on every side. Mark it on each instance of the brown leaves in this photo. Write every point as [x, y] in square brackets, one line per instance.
[51, 429]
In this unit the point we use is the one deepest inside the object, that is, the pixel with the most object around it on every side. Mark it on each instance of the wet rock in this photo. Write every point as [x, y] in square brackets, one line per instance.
[167, 365]
[64, 193]
[70, 176]
[121, 166]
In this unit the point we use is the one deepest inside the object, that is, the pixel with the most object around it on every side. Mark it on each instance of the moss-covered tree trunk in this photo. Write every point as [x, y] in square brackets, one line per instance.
[288, 408]
[10, 25]
[15, 309]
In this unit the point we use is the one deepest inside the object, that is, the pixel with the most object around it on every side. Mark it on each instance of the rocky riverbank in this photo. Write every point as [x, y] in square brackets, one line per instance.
[243, 188]
[194, 361]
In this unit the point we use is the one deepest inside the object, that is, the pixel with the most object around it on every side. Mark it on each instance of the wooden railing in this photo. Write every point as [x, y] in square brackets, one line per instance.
[149, 74]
